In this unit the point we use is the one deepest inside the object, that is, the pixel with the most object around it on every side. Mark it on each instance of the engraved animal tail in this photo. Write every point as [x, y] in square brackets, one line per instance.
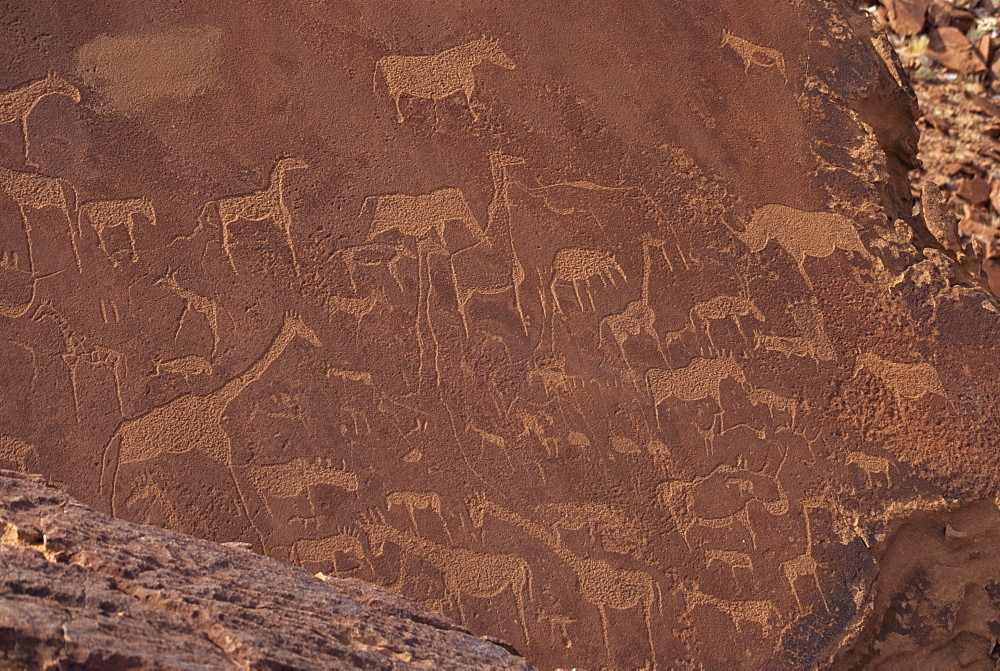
[375, 78]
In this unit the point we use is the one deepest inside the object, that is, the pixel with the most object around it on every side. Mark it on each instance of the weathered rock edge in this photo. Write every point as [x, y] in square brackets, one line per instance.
[82, 589]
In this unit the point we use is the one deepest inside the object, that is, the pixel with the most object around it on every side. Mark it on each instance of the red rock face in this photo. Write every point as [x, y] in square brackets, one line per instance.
[605, 330]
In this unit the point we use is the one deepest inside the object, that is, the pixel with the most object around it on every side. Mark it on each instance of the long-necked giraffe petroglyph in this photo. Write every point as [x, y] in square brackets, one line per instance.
[805, 564]
[193, 422]
[440, 75]
[466, 572]
[16, 104]
[599, 582]
[267, 203]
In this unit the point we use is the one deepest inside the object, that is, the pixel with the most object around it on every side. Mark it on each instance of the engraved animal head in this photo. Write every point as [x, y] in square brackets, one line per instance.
[295, 324]
[491, 51]
[56, 84]
[754, 235]
[290, 163]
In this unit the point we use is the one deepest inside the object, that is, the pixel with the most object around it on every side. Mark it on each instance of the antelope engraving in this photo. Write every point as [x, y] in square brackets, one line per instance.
[440, 75]
[359, 308]
[193, 422]
[578, 266]
[476, 574]
[267, 203]
[299, 475]
[193, 301]
[759, 612]
[802, 234]
[105, 214]
[904, 380]
[16, 104]
[730, 558]
[871, 465]
[700, 379]
[752, 54]
[724, 307]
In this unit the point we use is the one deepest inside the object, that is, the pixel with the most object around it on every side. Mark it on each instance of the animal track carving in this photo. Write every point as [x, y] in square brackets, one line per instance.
[440, 75]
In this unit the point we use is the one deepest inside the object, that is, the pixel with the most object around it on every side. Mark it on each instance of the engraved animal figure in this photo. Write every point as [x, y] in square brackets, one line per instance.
[193, 301]
[730, 558]
[105, 214]
[359, 308]
[491, 266]
[440, 75]
[193, 422]
[32, 191]
[700, 379]
[413, 501]
[724, 307]
[347, 541]
[762, 613]
[465, 572]
[637, 317]
[416, 216]
[15, 451]
[803, 234]
[616, 531]
[804, 565]
[267, 203]
[374, 254]
[16, 104]
[813, 342]
[904, 380]
[598, 581]
[753, 54]
[185, 366]
[79, 349]
[578, 266]
[871, 465]
[292, 478]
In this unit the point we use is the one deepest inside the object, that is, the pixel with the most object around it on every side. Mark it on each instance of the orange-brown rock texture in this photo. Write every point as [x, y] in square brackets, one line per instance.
[604, 328]
[80, 590]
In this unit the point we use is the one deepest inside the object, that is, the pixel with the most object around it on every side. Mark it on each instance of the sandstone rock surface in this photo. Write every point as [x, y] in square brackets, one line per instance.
[79, 589]
[605, 328]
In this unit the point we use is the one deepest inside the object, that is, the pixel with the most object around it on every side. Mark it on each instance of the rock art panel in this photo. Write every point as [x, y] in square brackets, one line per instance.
[599, 360]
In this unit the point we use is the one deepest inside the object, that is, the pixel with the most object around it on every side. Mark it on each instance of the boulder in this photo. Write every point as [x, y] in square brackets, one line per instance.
[83, 590]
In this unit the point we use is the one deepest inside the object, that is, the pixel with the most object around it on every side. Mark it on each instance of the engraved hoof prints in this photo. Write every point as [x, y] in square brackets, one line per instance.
[609, 399]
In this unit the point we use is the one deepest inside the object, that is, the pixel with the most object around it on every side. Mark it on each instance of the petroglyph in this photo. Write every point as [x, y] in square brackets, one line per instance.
[813, 342]
[615, 530]
[560, 622]
[346, 541]
[193, 301]
[598, 581]
[22, 455]
[578, 266]
[16, 104]
[298, 476]
[440, 75]
[185, 366]
[465, 572]
[146, 489]
[359, 308]
[105, 214]
[79, 349]
[804, 565]
[803, 234]
[700, 379]
[724, 306]
[374, 254]
[493, 440]
[759, 612]
[413, 501]
[491, 266]
[32, 191]
[194, 422]
[904, 380]
[752, 54]
[267, 203]
[732, 559]
[417, 216]
[871, 465]
[637, 318]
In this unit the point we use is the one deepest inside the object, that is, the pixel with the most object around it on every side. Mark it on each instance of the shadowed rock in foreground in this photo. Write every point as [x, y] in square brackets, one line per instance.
[81, 589]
